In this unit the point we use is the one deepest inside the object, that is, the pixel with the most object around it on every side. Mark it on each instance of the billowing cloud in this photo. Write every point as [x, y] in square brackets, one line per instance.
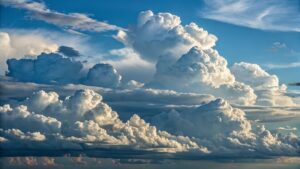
[72, 21]
[47, 68]
[103, 75]
[29, 43]
[229, 130]
[202, 71]
[157, 35]
[265, 86]
[17, 46]
[84, 119]
[53, 68]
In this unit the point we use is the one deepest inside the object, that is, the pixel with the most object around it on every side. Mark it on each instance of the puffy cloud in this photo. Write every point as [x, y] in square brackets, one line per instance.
[47, 68]
[229, 130]
[202, 71]
[18, 135]
[17, 46]
[84, 119]
[103, 75]
[20, 117]
[265, 86]
[160, 34]
[53, 68]
[28, 43]
[73, 21]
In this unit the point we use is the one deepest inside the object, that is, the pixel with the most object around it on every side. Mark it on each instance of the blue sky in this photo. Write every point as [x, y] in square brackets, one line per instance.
[235, 43]
[192, 79]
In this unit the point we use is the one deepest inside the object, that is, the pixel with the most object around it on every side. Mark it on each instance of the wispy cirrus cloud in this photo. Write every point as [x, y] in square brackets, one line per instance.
[274, 15]
[71, 21]
[283, 66]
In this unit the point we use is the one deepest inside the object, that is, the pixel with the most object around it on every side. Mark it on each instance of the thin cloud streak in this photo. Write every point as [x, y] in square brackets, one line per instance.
[283, 66]
[272, 15]
[69, 21]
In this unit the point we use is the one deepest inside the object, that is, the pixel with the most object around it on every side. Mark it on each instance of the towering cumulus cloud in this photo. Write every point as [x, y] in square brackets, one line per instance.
[202, 71]
[187, 62]
[161, 34]
[45, 121]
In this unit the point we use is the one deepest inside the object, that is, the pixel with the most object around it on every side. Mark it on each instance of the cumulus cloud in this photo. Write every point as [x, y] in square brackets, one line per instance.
[103, 75]
[162, 34]
[29, 43]
[126, 100]
[265, 86]
[53, 68]
[229, 130]
[186, 62]
[202, 71]
[84, 119]
[17, 46]
[72, 21]
[46, 68]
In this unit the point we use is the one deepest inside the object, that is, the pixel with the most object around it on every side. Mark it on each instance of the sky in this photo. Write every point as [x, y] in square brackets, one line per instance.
[148, 78]
[276, 51]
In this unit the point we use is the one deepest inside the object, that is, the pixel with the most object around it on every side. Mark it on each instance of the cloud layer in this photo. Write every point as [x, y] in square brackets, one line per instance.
[83, 120]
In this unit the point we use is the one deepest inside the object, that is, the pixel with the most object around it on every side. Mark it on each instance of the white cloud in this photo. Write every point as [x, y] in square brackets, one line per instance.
[265, 86]
[70, 21]
[17, 46]
[283, 66]
[21, 43]
[275, 15]
[103, 75]
[20, 117]
[85, 119]
[226, 130]
[202, 71]
[157, 35]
